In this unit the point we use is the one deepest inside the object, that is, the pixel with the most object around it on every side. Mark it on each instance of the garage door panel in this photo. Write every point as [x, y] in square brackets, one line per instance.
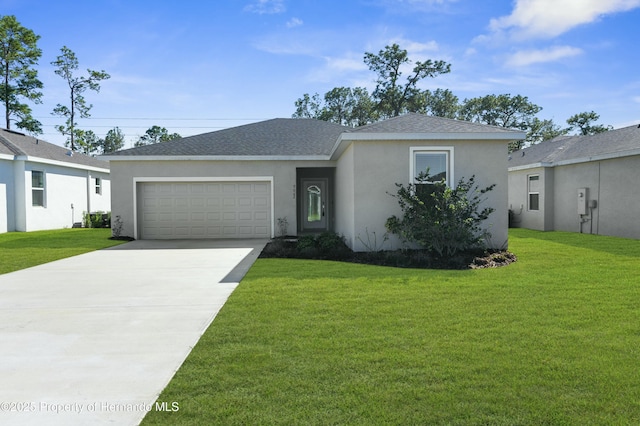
[205, 210]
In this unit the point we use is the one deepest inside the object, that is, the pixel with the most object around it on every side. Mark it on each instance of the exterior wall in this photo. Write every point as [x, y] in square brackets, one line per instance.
[379, 165]
[344, 195]
[611, 183]
[7, 197]
[64, 187]
[618, 211]
[542, 219]
[568, 180]
[99, 202]
[283, 173]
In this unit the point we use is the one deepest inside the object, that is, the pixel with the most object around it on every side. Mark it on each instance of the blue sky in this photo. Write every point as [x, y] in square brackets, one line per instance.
[198, 66]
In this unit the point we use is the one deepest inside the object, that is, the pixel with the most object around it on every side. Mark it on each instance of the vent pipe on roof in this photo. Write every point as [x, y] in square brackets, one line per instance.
[70, 153]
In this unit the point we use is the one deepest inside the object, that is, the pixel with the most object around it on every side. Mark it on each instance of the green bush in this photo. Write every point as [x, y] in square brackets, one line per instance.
[325, 245]
[440, 219]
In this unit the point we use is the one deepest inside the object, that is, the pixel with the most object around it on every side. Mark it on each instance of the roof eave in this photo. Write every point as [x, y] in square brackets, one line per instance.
[60, 163]
[600, 157]
[215, 157]
[344, 139]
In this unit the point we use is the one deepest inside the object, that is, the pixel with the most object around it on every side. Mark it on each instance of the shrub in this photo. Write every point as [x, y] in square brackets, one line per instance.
[327, 245]
[441, 219]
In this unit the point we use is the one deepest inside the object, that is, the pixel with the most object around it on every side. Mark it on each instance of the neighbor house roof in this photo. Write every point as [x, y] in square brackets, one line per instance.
[284, 138]
[578, 149]
[21, 146]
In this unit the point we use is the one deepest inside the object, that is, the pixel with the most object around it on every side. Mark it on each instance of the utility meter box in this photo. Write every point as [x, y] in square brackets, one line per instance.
[583, 200]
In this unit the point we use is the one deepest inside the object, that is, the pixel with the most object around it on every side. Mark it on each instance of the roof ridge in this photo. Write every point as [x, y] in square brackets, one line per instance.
[10, 145]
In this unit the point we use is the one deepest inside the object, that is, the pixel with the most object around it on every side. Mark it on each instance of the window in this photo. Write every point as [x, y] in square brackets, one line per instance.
[98, 185]
[533, 182]
[37, 188]
[437, 160]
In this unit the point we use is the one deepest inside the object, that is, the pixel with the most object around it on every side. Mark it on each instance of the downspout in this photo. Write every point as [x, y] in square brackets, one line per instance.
[599, 185]
[88, 192]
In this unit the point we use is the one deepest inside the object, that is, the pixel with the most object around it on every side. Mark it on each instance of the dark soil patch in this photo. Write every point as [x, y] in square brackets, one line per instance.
[292, 249]
[122, 238]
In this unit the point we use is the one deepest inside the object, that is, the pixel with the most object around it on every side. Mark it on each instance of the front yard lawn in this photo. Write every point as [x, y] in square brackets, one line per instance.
[19, 250]
[551, 339]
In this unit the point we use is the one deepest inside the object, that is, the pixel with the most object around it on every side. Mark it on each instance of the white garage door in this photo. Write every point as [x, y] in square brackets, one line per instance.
[173, 210]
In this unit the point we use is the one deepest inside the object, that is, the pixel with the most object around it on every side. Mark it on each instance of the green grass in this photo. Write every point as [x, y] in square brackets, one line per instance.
[552, 339]
[19, 250]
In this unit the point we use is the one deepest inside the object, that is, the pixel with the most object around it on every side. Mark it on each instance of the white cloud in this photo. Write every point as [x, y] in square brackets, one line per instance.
[263, 7]
[550, 18]
[415, 46]
[529, 57]
[294, 22]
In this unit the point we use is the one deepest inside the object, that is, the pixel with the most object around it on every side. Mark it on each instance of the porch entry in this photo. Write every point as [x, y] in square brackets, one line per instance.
[315, 200]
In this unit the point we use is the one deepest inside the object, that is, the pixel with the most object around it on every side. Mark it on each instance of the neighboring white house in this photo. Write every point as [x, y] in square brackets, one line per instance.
[45, 186]
[588, 184]
[316, 176]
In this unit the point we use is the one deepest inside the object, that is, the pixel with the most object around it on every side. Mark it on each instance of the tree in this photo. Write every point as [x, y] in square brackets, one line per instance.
[342, 105]
[542, 130]
[308, 107]
[441, 103]
[67, 64]
[113, 141]
[394, 97]
[87, 141]
[18, 55]
[156, 134]
[514, 112]
[583, 121]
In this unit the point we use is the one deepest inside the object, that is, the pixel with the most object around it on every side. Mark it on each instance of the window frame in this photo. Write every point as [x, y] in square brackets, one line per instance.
[40, 189]
[447, 150]
[530, 193]
[98, 185]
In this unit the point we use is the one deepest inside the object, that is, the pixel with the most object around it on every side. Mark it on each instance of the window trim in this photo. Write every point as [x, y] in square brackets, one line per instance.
[448, 150]
[41, 189]
[530, 192]
[98, 186]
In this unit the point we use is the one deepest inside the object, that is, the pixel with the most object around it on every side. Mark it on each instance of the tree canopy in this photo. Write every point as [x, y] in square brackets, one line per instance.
[19, 54]
[156, 134]
[394, 95]
[67, 65]
[583, 122]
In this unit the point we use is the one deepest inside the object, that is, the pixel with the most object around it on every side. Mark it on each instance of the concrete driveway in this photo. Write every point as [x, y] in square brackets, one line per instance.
[94, 339]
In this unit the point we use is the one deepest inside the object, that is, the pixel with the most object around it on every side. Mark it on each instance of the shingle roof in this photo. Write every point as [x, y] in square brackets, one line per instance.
[277, 137]
[619, 142]
[420, 123]
[15, 143]
[300, 137]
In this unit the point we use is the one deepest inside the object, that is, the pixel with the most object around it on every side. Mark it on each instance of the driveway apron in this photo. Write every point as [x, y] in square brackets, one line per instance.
[94, 339]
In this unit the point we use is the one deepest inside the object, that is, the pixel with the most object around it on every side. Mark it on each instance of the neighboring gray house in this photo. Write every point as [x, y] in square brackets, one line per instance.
[588, 184]
[239, 182]
[45, 186]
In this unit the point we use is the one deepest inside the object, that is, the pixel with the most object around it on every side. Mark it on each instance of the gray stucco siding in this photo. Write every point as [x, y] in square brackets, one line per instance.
[281, 173]
[379, 165]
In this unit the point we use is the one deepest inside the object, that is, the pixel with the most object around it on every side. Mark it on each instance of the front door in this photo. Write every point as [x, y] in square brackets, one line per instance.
[315, 204]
